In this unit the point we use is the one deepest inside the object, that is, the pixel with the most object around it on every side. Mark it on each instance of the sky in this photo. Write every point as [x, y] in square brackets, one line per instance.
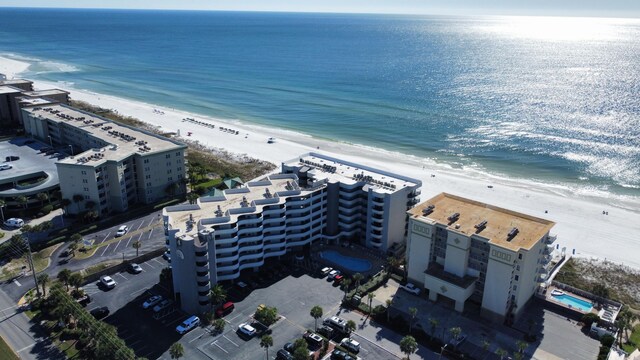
[599, 8]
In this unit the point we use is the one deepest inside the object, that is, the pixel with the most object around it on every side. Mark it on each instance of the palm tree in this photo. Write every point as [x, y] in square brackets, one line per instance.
[63, 276]
[77, 198]
[22, 200]
[43, 279]
[370, 296]
[351, 326]
[217, 295]
[76, 280]
[346, 283]
[388, 302]
[73, 247]
[521, 345]
[517, 356]
[434, 325]
[501, 353]
[137, 245]
[455, 332]
[42, 197]
[316, 313]
[485, 345]
[357, 277]
[176, 351]
[266, 342]
[408, 345]
[65, 203]
[192, 197]
[219, 325]
[2, 205]
[412, 312]
[90, 204]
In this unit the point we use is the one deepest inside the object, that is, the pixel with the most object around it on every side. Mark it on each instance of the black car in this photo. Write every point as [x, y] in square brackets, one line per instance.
[100, 313]
[341, 355]
[283, 355]
[326, 331]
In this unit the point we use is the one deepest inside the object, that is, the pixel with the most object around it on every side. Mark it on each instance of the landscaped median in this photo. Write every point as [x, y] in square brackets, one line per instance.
[6, 353]
[15, 267]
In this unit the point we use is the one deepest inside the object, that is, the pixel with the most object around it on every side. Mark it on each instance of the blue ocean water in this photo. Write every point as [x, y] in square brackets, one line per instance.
[554, 100]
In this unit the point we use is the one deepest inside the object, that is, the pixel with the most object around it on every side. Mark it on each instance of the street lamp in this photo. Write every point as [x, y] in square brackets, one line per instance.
[71, 147]
[2, 211]
[442, 350]
[50, 141]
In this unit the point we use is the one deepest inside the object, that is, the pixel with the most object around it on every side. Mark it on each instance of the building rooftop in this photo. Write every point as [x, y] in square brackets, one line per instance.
[15, 82]
[488, 221]
[121, 140]
[227, 205]
[5, 89]
[336, 170]
[34, 101]
[31, 172]
[47, 92]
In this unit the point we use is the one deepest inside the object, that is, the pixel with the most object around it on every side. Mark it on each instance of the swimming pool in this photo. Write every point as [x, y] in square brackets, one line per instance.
[349, 263]
[574, 302]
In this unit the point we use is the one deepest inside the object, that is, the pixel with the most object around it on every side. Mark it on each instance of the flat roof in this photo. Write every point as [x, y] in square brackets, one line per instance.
[32, 163]
[15, 81]
[34, 101]
[499, 221]
[122, 140]
[337, 170]
[46, 92]
[9, 90]
[230, 203]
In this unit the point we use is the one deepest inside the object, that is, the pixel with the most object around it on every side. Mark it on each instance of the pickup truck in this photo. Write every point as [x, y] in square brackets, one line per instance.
[411, 288]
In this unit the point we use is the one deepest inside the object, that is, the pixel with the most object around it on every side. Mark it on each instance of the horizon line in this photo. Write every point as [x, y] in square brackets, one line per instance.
[462, 14]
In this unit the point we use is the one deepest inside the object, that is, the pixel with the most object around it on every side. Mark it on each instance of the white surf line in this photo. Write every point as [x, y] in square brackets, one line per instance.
[105, 249]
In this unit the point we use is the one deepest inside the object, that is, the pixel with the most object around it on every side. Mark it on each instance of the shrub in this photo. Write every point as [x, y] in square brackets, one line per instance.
[47, 209]
[607, 340]
[589, 319]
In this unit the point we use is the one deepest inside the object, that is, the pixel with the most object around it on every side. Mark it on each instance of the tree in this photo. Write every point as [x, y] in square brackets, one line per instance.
[42, 197]
[266, 342]
[90, 204]
[408, 345]
[316, 313]
[65, 204]
[22, 200]
[357, 277]
[73, 247]
[192, 197]
[219, 324]
[388, 302]
[266, 315]
[455, 332]
[433, 322]
[64, 276]
[370, 296]
[76, 280]
[351, 326]
[77, 198]
[501, 353]
[76, 237]
[217, 295]
[300, 350]
[43, 280]
[137, 245]
[600, 290]
[485, 345]
[517, 356]
[176, 351]
[413, 312]
[521, 345]
[346, 283]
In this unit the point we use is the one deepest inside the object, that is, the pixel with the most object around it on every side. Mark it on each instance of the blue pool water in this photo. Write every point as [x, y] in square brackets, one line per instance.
[347, 262]
[574, 302]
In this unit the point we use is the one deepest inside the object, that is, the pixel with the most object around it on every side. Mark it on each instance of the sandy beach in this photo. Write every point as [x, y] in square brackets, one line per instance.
[581, 224]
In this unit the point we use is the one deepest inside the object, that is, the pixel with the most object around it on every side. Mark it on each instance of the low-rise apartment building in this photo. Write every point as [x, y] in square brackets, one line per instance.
[314, 198]
[463, 250]
[111, 166]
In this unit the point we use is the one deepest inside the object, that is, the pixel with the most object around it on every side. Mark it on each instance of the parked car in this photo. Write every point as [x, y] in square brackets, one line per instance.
[14, 223]
[455, 342]
[108, 282]
[325, 271]
[410, 287]
[100, 313]
[152, 301]
[225, 309]
[6, 167]
[314, 340]
[135, 268]
[162, 305]
[284, 355]
[351, 345]
[247, 330]
[332, 274]
[338, 279]
[341, 355]
[167, 256]
[326, 331]
[188, 325]
[122, 230]
[288, 347]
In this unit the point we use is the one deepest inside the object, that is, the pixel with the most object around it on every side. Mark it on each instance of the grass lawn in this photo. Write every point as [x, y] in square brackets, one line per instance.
[99, 267]
[634, 341]
[40, 261]
[208, 184]
[6, 353]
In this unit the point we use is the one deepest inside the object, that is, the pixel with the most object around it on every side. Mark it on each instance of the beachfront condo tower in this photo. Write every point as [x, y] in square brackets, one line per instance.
[109, 166]
[315, 198]
[460, 251]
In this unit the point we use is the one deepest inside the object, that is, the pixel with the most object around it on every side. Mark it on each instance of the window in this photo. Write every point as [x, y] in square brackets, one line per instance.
[149, 191]
[167, 156]
[86, 197]
[520, 256]
[170, 178]
[515, 287]
[146, 161]
[179, 168]
[85, 181]
[516, 278]
[518, 267]
[169, 171]
[178, 153]
[146, 169]
[84, 172]
[179, 176]
[149, 184]
[86, 189]
[168, 163]
[148, 177]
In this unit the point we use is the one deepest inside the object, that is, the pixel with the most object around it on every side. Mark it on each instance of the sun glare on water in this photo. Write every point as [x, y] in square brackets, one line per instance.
[560, 28]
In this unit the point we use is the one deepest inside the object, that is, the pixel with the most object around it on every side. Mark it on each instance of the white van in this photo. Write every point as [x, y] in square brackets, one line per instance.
[14, 223]
[336, 323]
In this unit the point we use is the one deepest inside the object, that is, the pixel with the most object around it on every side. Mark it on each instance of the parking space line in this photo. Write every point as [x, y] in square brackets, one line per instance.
[231, 341]
[156, 260]
[128, 241]
[138, 292]
[105, 249]
[105, 238]
[150, 221]
[150, 232]
[139, 226]
[123, 276]
[147, 263]
[221, 348]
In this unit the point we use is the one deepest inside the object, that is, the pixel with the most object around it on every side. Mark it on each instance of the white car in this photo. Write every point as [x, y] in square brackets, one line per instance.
[188, 325]
[122, 230]
[108, 282]
[333, 274]
[152, 301]
[325, 271]
[411, 288]
[6, 167]
[247, 329]
[14, 223]
[351, 345]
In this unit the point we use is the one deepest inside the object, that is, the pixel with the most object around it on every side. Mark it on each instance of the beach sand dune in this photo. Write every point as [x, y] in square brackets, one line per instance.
[581, 224]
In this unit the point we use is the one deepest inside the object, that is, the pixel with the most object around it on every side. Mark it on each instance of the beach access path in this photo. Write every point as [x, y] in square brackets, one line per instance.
[581, 224]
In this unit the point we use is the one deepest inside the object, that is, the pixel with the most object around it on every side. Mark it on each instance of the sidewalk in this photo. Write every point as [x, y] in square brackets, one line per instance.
[55, 216]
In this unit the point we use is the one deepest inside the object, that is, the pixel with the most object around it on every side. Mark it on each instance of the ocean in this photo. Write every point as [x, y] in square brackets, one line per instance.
[549, 100]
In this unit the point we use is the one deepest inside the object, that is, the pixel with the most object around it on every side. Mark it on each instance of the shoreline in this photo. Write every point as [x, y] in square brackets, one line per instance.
[580, 224]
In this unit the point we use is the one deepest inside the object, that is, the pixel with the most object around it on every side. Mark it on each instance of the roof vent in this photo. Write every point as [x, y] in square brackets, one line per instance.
[457, 226]
[512, 233]
[219, 212]
[267, 194]
[454, 217]
[480, 226]
[428, 210]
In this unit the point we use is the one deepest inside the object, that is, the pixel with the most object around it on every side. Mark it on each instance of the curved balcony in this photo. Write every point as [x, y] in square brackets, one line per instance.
[248, 222]
[349, 203]
[293, 203]
[231, 257]
[274, 244]
[298, 212]
[250, 239]
[376, 226]
[222, 232]
[253, 247]
[227, 267]
[203, 299]
[348, 218]
[251, 263]
[201, 258]
[269, 223]
[277, 236]
[229, 276]
[202, 265]
[202, 276]
[229, 241]
[275, 252]
[253, 255]
[249, 231]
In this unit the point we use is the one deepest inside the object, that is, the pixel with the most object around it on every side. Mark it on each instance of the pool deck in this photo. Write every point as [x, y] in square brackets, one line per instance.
[550, 298]
[355, 251]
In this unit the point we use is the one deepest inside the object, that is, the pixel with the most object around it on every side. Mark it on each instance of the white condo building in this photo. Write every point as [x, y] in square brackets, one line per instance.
[314, 198]
[462, 250]
[111, 166]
